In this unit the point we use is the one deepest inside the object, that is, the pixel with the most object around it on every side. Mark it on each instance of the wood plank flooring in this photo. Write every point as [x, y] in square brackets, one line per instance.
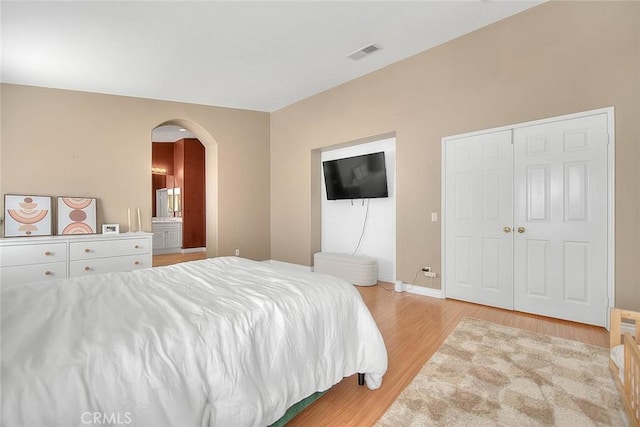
[168, 259]
[413, 328]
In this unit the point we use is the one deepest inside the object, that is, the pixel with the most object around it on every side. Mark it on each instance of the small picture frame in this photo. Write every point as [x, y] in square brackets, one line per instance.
[76, 215]
[110, 228]
[27, 216]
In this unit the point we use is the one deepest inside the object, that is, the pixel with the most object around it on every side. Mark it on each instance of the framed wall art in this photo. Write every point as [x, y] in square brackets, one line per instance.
[27, 216]
[77, 215]
[110, 228]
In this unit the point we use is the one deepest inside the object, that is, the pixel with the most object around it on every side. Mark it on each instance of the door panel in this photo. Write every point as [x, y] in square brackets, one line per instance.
[538, 193]
[491, 263]
[561, 187]
[479, 200]
[576, 262]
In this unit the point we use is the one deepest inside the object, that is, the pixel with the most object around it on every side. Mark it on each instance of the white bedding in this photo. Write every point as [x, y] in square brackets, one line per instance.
[218, 342]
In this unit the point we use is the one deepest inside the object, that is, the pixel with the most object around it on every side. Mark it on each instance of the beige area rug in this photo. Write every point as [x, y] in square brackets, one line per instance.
[486, 374]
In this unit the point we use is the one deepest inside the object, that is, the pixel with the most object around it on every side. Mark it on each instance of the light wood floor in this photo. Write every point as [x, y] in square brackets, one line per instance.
[413, 328]
[168, 259]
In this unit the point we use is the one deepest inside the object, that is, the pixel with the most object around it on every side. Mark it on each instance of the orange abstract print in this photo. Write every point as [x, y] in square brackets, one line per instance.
[76, 215]
[77, 228]
[77, 202]
[26, 216]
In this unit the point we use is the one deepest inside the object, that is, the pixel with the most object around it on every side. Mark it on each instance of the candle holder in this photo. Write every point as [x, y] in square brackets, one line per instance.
[129, 230]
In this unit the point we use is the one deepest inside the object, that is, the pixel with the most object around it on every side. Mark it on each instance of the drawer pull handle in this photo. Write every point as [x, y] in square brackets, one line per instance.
[87, 250]
[48, 273]
[137, 263]
[87, 268]
[48, 253]
[137, 247]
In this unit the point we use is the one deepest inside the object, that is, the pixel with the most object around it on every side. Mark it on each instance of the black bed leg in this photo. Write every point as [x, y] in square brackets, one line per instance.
[360, 379]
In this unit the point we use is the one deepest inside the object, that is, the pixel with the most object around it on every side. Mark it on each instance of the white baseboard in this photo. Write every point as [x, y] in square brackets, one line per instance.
[421, 290]
[193, 250]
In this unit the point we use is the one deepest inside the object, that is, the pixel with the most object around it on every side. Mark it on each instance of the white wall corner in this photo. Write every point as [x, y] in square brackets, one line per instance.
[388, 279]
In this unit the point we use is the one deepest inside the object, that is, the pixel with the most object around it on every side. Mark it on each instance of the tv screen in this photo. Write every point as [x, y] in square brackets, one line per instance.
[359, 177]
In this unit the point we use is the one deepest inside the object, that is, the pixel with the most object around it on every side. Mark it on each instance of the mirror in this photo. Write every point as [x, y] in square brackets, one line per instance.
[173, 202]
[168, 202]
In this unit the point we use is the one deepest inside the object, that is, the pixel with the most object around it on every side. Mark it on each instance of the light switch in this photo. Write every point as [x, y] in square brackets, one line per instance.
[434, 216]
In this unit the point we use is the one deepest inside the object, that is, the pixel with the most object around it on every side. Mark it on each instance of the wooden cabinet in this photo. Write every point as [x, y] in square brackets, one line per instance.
[189, 170]
[30, 259]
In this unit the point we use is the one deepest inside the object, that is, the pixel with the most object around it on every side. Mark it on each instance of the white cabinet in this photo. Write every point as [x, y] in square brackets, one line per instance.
[167, 237]
[30, 259]
[103, 256]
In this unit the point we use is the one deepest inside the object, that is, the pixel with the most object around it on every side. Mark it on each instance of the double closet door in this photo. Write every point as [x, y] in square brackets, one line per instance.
[526, 218]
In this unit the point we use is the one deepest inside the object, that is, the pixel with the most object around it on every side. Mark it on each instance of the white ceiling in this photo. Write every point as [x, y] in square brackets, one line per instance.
[260, 55]
[170, 133]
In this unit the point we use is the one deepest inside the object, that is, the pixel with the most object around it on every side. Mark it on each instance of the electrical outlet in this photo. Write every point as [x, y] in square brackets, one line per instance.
[430, 274]
[237, 252]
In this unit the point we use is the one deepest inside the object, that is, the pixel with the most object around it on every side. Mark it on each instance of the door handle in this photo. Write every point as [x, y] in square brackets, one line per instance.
[507, 229]
[521, 230]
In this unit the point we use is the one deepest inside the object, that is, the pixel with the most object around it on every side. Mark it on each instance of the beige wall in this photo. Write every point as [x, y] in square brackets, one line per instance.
[57, 142]
[554, 59]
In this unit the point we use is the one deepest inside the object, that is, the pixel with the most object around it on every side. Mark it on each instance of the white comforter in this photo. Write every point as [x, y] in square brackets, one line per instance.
[218, 342]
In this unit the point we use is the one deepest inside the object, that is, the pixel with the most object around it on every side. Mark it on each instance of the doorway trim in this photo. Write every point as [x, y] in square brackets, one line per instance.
[609, 112]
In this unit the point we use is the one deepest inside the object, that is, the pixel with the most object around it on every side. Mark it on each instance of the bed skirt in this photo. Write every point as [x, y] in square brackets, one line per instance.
[297, 408]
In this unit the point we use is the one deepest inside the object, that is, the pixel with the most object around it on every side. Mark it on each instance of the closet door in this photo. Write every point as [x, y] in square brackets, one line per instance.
[478, 219]
[560, 239]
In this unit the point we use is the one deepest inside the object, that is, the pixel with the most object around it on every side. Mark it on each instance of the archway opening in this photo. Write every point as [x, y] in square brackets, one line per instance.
[208, 207]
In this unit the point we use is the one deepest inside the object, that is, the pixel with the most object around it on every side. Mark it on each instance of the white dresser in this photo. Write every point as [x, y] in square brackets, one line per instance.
[30, 259]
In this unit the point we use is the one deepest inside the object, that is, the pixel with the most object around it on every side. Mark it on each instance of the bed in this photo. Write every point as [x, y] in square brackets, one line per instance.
[625, 360]
[217, 342]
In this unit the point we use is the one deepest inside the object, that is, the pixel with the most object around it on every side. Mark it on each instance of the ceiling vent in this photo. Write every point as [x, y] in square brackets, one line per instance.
[364, 51]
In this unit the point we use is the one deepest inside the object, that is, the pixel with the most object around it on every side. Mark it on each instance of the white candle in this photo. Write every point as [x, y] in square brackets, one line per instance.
[128, 219]
[139, 221]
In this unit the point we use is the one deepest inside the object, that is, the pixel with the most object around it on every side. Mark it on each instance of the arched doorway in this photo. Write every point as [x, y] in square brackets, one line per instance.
[195, 130]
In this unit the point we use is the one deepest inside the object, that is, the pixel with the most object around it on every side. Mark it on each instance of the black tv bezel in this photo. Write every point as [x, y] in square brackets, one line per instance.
[386, 180]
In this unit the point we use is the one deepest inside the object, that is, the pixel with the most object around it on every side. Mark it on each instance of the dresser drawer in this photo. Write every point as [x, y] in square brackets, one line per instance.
[20, 274]
[107, 248]
[107, 265]
[32, 254]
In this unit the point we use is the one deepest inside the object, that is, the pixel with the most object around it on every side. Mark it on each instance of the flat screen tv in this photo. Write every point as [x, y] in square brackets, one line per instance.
[359, 177]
